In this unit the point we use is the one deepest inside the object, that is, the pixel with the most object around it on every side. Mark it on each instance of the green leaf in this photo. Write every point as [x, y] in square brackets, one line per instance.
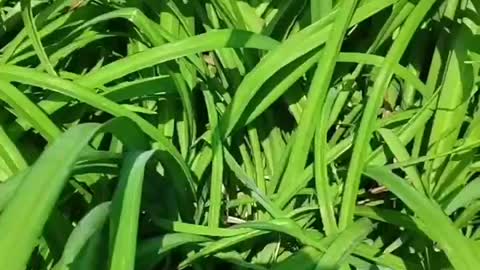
[467, 195]
[82, 233]
[344, 244]
[126, 211]
[31, 29]
[365, 130]
[40, 189]
[84, 94]
[37, 194]
[151, 251]
[440, 228]
[304, 259]
[27, 110]
[215, 39]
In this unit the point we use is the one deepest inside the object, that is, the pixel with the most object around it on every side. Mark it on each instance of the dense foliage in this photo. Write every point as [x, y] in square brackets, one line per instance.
[239, 134]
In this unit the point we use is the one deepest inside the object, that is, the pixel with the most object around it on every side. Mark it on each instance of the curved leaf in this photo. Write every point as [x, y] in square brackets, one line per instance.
[440, 228]
[90, 223]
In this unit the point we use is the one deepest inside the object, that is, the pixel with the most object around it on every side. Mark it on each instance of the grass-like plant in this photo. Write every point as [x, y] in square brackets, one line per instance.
[239, 134]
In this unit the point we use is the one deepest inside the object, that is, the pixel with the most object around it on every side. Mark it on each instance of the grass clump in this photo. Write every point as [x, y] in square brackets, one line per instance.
[239, 134]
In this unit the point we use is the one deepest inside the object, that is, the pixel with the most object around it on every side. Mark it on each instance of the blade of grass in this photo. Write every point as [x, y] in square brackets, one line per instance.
[181, 227]
[257, 194]
[315, 105]
[257, 159]
[74, 90]
[468, 194]
[467, 215]
[322, 178]
[27, 110]
[42, 18]
[126, 211]
[304, 259]
[9, 187]
[215, 39]
[219, 245]
[319, 9]
[31, 29]
[40, 188]
[344, 244]
[365, 130]
[452, 105]
[391, 217]
[151, 251]
[37, 194]
[299, 44]
[440, 228]
[10, 154]
[216, 182]
[399, 151]
[83, 231]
